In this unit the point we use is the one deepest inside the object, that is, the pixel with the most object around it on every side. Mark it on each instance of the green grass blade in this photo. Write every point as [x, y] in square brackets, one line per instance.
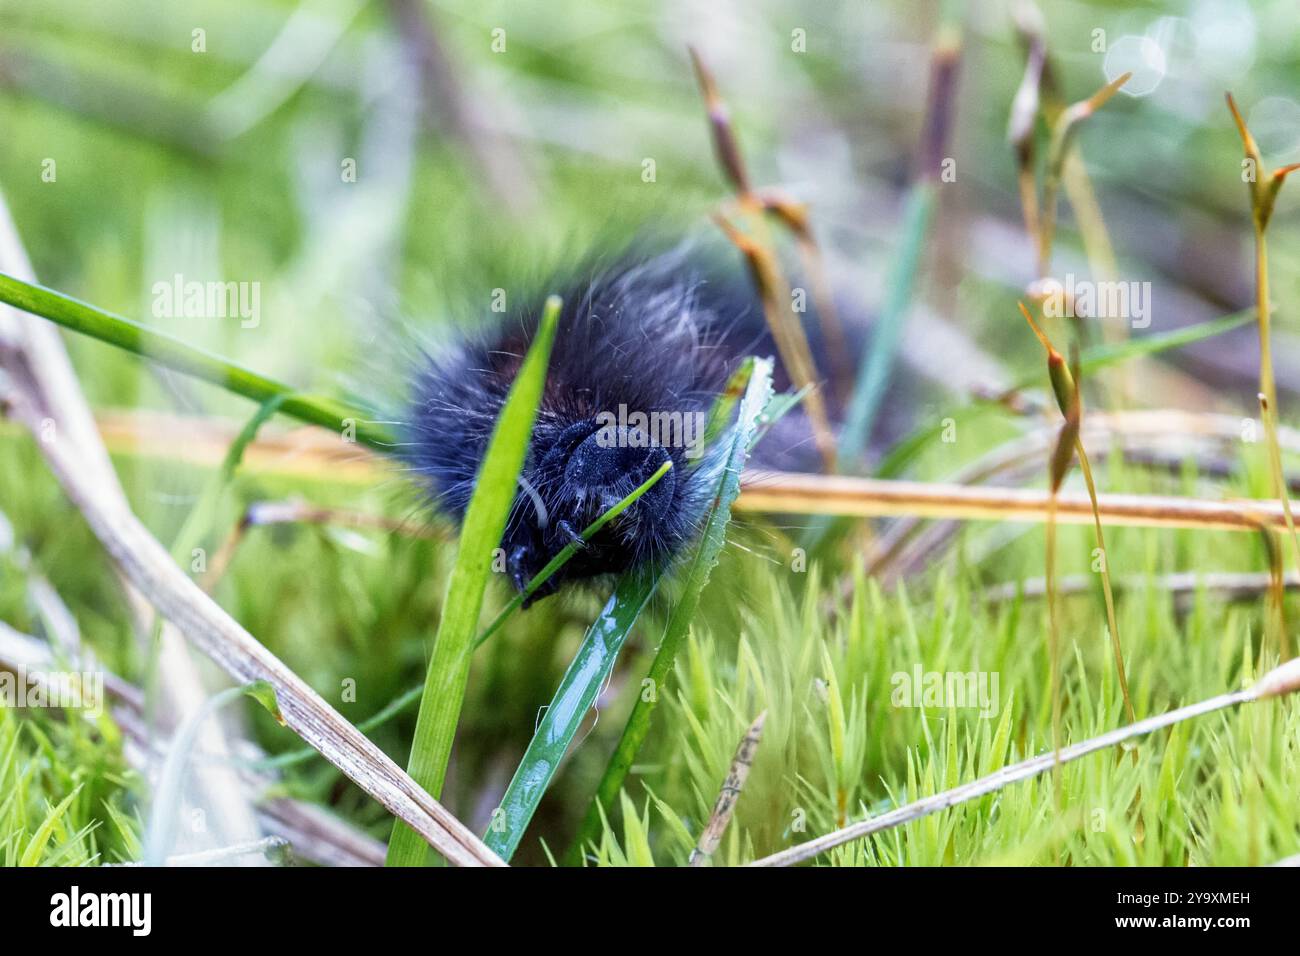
[878, 362]
[202, 516]
[780, 406]
[485, 521]
[1104, 355]
[757, 395]
[1093, 359]
[36, 845]
[199, 522]
[169, 351]
[587, 673]
[397, 705]
[879, 359]
[908, 449]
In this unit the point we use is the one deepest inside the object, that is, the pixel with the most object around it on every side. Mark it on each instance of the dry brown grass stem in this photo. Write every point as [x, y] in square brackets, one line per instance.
[755, 243]
[150, 569]
[790, 493]
[725, 806]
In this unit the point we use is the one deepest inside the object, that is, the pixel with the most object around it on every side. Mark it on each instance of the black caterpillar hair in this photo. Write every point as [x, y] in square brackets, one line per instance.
[649, 334]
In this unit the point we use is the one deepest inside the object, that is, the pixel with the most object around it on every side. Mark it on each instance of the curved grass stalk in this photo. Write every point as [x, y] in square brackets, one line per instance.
[1064, 130]
[200, 519]
[1268, 402]
[1092, 359]
[878, 361]
[173, 353]
[1053, 646]
[1276, 590]
[198, 522]
[759, 251]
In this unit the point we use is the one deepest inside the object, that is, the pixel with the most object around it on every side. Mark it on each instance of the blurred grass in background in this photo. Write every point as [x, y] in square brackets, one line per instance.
[478, 170]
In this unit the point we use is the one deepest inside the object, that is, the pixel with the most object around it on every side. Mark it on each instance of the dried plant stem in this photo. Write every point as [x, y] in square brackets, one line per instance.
[920, 203]
[1232, 585]
[1101, 259]
[791, 493]
[314, 453]
[202, 440]
[759, 251]
[800, 493]
[33, 355]
[794, 216]
[791, 343]
[316, 834]
[1276, 562]
[1021, 124]
[151, 570]
[725, 806]
[1064, 130]
[1284, 679]
[1063, 163]
[1276, 590]
[1268, 414]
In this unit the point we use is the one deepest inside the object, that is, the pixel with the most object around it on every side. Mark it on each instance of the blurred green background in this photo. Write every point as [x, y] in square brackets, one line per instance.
[491, 143]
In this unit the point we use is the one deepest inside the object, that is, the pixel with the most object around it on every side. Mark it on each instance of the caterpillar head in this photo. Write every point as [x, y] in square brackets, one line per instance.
[580, 471]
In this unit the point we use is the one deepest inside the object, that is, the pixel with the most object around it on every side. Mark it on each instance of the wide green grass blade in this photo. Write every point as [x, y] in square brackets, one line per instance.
[169, 351]
[878, 362]
[725, 404]
[1105, 355]
[485, 521]
[752, 407]
[587, 673]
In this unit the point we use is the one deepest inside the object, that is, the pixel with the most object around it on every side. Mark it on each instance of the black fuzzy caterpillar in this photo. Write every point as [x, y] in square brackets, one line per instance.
[647, 341]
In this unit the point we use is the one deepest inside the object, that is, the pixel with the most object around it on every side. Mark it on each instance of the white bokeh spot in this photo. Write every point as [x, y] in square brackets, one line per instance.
[1139, 55]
